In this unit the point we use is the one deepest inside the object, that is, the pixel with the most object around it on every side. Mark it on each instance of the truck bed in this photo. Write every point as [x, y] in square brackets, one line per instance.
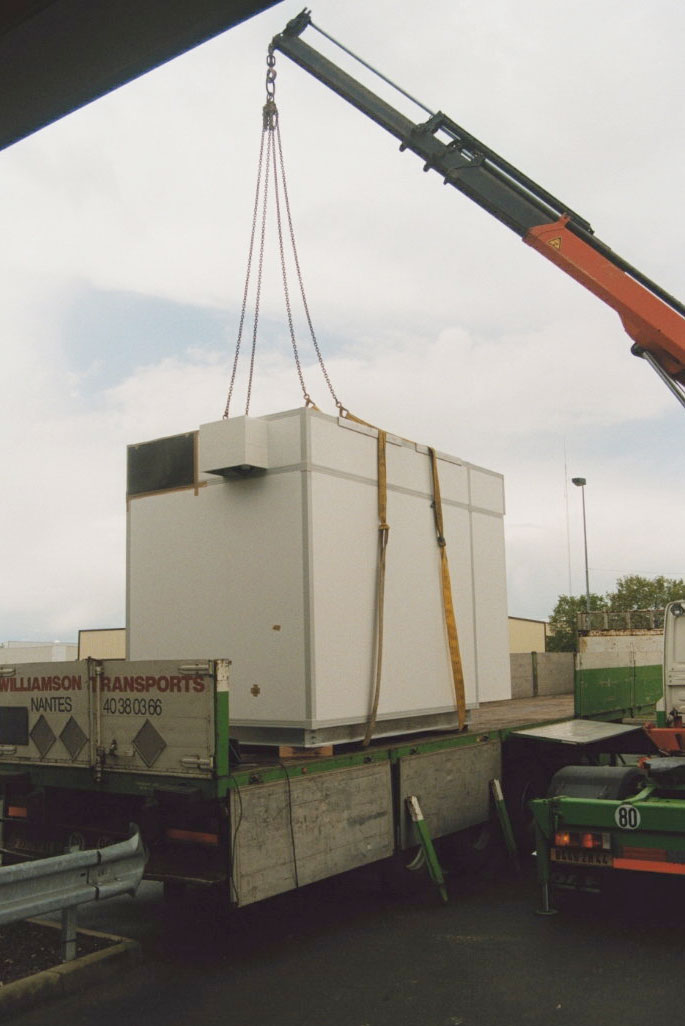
[516, 712]
[490, 717]
[329, 812]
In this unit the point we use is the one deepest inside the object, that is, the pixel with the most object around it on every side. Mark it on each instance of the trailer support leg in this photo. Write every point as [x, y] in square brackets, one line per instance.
[427, 848]
[542, 849]
[504, 822]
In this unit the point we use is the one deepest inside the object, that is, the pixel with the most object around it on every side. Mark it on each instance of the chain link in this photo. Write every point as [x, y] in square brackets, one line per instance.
[247, 277]
[269, 149]
[284, 275]
[317, 350]
[274, 161]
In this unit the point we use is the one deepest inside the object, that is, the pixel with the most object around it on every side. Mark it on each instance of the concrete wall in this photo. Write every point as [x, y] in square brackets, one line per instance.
[621, 648]
[541, 673]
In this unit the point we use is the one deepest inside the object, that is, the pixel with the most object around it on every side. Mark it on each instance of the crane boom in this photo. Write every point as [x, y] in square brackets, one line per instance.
[654, 319]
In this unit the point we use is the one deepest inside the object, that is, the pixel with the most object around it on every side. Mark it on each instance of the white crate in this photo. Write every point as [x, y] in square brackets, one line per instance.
[276, 570]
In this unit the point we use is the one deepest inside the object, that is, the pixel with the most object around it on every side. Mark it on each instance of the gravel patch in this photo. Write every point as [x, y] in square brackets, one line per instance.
[29, 947]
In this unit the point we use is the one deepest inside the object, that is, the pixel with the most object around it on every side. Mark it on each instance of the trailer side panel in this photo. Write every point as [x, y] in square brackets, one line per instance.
[452, 787]
[292, 832]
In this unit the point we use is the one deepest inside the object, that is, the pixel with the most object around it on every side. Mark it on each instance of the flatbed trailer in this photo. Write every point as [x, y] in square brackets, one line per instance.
[517, 711]
[87, 748]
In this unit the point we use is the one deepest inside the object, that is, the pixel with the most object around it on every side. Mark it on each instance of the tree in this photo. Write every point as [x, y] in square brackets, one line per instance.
[632, 592]
[635, 592]
[563, 623]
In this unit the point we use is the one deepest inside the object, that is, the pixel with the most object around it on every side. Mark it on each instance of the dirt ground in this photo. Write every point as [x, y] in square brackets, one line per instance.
[30, 947]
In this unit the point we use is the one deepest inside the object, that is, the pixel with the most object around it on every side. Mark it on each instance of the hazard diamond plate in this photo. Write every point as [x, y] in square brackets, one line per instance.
[149, 744]
[43, 736]
[73, 738]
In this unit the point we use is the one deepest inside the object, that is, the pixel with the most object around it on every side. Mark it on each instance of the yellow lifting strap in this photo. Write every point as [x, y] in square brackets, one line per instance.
[383, 532]
[447, 604]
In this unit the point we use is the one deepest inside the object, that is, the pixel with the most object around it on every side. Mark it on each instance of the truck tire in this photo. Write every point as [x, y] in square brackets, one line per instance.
[524, 781]
[609, 782]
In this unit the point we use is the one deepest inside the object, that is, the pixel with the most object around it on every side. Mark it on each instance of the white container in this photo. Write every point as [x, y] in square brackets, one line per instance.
[275, 569]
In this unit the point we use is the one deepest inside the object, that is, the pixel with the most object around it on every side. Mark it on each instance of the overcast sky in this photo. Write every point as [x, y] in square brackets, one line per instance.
[124, 240]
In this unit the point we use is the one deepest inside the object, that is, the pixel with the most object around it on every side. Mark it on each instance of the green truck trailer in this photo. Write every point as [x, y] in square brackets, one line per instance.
[86, 748]
[618, 668]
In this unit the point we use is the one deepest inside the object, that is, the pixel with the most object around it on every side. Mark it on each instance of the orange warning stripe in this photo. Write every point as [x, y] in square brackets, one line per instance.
[650, 866]
[192, 835]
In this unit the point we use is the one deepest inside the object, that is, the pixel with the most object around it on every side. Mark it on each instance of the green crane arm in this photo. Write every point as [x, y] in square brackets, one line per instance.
[654, 319]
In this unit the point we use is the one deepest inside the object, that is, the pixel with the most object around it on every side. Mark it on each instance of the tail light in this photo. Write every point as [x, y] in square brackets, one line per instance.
[590, 840]
[17, 812]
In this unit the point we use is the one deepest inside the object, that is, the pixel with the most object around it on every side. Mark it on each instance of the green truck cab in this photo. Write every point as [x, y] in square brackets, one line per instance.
[626, 810]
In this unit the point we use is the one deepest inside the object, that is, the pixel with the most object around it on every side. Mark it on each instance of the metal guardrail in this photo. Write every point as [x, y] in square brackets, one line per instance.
[63, 882]
[621, 620]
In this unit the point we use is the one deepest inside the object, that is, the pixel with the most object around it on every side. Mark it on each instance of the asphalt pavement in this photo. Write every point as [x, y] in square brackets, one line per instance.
[349, 952]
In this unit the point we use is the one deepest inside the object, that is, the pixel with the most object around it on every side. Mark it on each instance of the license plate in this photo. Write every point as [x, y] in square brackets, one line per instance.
[581, 858]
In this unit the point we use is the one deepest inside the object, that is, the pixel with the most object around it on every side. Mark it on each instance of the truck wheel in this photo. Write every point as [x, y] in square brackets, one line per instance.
[522, 783]
[608, 782]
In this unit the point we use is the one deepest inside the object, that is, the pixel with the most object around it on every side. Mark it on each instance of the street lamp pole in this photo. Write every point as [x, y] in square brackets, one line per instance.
[580, 482]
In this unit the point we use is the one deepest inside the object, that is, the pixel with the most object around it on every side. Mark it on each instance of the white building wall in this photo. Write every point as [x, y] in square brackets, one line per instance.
[12, 652]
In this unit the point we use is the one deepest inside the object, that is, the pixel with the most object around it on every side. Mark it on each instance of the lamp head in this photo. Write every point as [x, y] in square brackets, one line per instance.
[578, 481]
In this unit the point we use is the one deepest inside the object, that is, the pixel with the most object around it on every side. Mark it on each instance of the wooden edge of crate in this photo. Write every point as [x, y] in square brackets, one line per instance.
[293, 752]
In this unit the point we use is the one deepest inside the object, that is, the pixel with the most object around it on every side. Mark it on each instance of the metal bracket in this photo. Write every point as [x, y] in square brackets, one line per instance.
[197, 762]
[427, 855]
[671, 383]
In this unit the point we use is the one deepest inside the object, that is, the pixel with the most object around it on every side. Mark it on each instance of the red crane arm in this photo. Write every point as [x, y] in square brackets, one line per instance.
[650, 322]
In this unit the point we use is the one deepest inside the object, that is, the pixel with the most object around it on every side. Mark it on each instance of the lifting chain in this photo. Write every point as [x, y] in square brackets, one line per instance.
[271, 162]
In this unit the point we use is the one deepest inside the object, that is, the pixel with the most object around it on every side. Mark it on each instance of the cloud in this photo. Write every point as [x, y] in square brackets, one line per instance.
[125, 231]
[64, 524]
